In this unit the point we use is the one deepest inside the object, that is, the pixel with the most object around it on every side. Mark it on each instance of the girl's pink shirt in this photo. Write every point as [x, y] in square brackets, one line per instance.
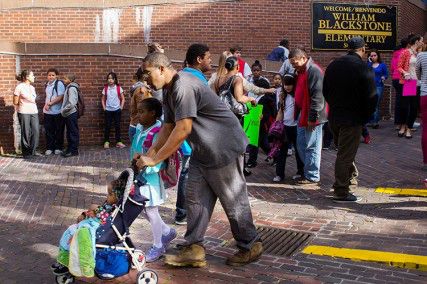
[27, 98]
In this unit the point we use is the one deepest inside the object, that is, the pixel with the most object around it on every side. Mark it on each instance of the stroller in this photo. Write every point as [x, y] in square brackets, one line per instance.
[113, 235]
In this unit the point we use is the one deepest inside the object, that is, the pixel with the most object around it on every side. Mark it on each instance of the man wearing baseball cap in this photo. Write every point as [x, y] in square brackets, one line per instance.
[349, 89]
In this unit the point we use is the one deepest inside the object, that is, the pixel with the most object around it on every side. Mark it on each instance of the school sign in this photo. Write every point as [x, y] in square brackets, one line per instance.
[334, 24]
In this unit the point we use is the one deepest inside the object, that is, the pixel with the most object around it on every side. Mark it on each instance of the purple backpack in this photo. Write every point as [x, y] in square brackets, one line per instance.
[170, 174]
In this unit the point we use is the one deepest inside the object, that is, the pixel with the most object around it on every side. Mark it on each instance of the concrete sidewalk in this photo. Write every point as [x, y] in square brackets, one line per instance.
[40, 197]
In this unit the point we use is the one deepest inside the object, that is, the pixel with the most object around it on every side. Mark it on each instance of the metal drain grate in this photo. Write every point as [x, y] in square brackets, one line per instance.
[282, 242]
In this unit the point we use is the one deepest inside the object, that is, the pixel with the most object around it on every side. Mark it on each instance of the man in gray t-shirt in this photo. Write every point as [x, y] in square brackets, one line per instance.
[194, 112]
[216, 136]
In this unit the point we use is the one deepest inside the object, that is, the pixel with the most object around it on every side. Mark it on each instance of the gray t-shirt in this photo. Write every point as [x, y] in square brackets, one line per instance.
[216, 137]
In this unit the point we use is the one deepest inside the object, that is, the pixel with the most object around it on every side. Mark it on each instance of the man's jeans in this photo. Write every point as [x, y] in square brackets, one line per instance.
[310, 150]
[181, 213]
[376, 117]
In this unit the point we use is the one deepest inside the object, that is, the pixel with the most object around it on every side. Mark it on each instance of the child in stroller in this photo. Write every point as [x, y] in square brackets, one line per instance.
[99, 244]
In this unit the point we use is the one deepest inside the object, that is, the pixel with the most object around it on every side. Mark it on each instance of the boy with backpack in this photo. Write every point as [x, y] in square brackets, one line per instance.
[53, 121]
[72, 109]
[113, 101]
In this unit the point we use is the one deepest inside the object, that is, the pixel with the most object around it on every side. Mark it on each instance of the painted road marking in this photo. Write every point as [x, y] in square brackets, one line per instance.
[390, 258]
[402, 191]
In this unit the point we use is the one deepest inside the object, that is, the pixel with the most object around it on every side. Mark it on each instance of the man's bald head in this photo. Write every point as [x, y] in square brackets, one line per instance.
[158, 69]
[157, 59]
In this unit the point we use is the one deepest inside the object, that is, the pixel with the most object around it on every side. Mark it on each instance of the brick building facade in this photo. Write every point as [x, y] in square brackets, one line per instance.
[91, 39]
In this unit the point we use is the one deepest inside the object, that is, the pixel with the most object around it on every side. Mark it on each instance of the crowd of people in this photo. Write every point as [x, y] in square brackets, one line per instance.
[305, 109]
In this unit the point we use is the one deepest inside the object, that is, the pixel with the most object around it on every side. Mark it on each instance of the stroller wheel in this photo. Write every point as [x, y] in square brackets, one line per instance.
[139, 255]
[147, 276]
[64, 279]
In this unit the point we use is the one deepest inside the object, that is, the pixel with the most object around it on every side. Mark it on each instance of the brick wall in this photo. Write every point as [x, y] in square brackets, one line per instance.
[256, 25]
[412, 19]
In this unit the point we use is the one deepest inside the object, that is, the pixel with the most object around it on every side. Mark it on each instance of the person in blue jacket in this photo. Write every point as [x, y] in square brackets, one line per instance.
[381, 74]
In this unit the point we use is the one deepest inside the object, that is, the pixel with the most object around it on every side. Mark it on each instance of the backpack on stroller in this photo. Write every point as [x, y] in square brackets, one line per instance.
[115, 252]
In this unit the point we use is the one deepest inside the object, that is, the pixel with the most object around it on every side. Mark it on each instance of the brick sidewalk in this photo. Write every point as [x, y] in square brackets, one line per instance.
[39, 198]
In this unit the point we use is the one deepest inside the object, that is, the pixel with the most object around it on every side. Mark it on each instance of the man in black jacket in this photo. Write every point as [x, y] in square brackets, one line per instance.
[349, 89]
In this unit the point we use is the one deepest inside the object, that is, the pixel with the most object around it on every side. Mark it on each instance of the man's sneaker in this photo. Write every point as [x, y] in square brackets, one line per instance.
[243, 257]
[347, 199]
[304, 181]
[290, 152]
[193, 256]
[60, 270]
[120, 145]
[106, 145]
[48, 152]
[277, 179]
[166, 239]
[58, 152]
[333, 147]
[69, 154]
[296, 177]
[182, 221]
[154, 253]
[38, 154]
[367, 139]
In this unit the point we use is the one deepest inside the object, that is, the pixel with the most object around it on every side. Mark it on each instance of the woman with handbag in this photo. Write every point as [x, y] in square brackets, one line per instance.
[229, 88]
[248, 87]
[25, 100]
[409, 103]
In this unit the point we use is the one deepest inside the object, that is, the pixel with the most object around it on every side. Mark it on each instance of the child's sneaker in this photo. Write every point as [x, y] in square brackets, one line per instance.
[60, 270]
[48, 152]
[58, 152]
[166, 239]
[290, 152]
[106, 145]
[120, 145]
[154, 254]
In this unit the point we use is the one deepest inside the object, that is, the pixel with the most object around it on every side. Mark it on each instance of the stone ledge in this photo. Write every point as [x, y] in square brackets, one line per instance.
[106, 49]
